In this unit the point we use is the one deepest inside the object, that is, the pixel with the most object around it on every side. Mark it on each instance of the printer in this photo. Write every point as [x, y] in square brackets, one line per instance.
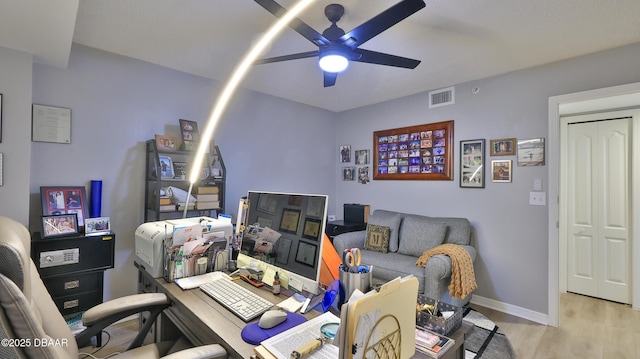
[152, 237]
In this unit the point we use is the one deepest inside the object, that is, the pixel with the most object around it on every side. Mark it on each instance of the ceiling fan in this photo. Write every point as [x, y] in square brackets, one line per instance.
[336, 46]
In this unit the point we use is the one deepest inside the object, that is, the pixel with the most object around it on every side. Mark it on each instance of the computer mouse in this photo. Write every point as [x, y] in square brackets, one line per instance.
[271, 318]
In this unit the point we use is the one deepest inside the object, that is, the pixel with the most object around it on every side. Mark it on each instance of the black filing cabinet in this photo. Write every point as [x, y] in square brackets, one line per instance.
[338, 227]
[72, 268]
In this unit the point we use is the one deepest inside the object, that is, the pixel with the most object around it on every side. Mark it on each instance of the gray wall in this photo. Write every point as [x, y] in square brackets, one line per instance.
[15, 87]
[512, 243]
[118, 103]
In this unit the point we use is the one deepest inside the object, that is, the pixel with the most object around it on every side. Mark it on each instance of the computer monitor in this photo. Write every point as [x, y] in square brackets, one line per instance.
[284, 233]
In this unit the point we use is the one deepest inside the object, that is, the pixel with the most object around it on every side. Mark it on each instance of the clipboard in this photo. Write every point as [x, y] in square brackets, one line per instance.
[383, 317]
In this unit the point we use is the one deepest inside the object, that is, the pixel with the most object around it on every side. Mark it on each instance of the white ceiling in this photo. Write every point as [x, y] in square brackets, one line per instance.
[457, 40]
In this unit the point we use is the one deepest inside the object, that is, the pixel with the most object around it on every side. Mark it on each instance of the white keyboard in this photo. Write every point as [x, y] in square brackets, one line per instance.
[242, 302]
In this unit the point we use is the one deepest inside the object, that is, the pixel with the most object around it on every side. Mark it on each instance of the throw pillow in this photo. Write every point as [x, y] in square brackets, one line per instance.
[418, 235]
[377, 238]
[391, 220]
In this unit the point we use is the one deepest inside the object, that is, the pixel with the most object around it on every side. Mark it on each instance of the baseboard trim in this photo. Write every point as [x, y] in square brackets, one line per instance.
[524, 313]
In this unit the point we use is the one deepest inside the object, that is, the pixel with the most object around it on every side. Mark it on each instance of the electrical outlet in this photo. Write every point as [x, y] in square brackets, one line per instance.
[331, 217]
[537, 198]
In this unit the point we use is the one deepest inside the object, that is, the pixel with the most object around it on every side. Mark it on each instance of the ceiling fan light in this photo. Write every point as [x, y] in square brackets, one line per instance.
[333, 62]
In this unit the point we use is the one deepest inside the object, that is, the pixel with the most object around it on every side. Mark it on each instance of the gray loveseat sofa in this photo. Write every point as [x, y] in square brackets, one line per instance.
[409, 236]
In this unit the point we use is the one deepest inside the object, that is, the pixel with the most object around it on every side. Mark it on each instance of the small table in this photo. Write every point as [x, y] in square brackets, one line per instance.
[457, 350]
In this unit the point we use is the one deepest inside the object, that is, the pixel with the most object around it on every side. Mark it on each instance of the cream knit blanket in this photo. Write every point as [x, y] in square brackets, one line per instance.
[463, 278]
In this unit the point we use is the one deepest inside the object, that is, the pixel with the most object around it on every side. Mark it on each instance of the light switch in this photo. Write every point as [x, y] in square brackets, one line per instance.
[537, 198]
[537, 184]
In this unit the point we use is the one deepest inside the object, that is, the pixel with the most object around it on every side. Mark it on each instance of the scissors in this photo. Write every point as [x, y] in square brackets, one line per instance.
[351, 259]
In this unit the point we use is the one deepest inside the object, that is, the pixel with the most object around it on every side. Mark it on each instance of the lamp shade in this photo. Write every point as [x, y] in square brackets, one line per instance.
[333, 61]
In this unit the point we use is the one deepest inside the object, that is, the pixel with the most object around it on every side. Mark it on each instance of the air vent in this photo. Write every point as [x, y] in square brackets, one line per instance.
[442, 97]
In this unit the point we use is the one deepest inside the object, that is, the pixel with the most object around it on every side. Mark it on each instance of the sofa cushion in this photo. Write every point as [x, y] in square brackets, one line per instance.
[377, 238]
[391, 220]
[418, 235]
[459, 231]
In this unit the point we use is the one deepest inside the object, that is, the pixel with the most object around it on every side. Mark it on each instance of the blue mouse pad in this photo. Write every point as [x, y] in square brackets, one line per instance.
[253, 334]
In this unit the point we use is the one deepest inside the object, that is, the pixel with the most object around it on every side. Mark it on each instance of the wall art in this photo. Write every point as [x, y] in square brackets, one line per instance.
[422, 152]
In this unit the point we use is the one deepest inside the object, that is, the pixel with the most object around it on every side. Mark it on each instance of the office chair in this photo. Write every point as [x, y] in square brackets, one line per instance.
[31, 326]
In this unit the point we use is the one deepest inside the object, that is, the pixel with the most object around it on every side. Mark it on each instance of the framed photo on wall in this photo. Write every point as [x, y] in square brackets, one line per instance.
[345, 153]
[501, 171]
[65, 200]
[503, 147]
[422, 152]
[362, 157]
[0, 118]
[472, 163]
[531, 152]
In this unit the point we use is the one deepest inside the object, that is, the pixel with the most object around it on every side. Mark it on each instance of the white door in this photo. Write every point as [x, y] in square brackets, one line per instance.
[598, 203]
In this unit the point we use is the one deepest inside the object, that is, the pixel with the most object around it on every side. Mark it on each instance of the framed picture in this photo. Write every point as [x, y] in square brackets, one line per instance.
[166, 167]
[315, 206]
[422, 152]
[190, 134]
[166, 143]
[264, 222]
[306, 253]
[290, 220]
[311, 229]
[363, 175]
[531, 152]
[180, 169]
[501, 171]
[345, 153]
[295, 200]
[348, 173]
[65, 200]
[503, 147]
[97, 226]
[59, 225]
[267, 203]
[0, 118]
[50, 124]
[283, 247]
[362, 157]
[472, 163]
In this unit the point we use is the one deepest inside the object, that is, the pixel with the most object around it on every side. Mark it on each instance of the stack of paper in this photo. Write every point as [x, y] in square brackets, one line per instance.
[282, 345]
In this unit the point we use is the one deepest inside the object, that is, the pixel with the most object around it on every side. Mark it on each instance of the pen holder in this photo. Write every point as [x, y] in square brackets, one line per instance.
[349, 282]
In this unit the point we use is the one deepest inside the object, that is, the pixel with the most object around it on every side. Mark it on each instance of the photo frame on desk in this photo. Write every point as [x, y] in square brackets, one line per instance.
[166, 167]
[190, 134]
[97, 226]
[65, 200]
[59, 225]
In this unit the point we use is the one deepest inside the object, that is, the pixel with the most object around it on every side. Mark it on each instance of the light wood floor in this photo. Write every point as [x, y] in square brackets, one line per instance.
[589, 328]
[120, 336]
